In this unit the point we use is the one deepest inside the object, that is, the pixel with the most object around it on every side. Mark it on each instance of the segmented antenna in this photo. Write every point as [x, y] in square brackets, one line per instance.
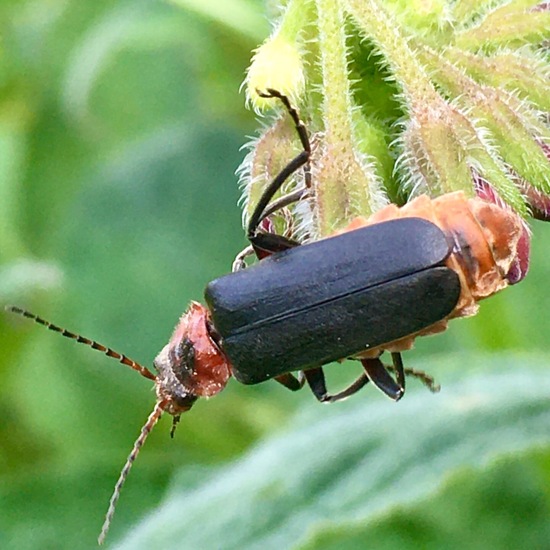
[145, 431]
[81, 340]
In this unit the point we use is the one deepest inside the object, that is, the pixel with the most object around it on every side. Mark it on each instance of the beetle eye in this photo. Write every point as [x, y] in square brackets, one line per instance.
[182, 360]
[183, 352]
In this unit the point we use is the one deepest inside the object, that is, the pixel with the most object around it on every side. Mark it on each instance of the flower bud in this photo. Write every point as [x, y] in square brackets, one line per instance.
[438, 145]
[510, 23]
[346, 185]
[276, 64]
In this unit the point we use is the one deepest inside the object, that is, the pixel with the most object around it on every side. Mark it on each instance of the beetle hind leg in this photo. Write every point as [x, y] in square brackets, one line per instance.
[381, 378]
[316, 382]
[401, 373]
[397, 363]
[375, 372]
[264, 245]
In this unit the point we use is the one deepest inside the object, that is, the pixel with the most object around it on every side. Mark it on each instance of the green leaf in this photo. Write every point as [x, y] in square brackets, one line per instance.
[515, 22]
[346, 466]
[240, 16]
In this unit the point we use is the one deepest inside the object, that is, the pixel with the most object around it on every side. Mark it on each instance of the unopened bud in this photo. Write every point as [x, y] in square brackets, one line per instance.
[346, 185]
[276, 64]
[438, 145]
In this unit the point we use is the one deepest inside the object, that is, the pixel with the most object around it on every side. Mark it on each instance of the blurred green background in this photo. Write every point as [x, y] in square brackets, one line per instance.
[120, 129]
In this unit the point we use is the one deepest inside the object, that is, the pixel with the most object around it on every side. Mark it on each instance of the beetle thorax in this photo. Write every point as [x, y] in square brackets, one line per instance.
[191, 365]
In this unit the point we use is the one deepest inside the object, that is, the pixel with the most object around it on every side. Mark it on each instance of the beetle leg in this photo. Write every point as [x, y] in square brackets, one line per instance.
[402, 372]
[316, 381]
[238, 262]
[381, 378]
[285, 200]
[353, 388]
[262, 208]
[258, 213]
[298, 124]
[265, 244]
[398, 367]
[291, 382]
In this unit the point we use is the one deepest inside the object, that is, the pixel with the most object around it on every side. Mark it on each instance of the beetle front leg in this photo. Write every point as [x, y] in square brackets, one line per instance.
[380, 377]
[316, 381]
[285, 200]
[239, 261]
[263, 243]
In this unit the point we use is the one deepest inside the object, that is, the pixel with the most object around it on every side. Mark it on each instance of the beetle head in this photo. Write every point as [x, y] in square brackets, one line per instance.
[191, 365]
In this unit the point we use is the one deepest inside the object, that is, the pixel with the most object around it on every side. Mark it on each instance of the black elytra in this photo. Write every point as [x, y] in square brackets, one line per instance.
[332, 299]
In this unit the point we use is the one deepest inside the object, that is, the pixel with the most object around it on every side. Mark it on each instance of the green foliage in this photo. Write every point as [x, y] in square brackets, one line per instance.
[454, 92]
[120, 128]
[335, 475]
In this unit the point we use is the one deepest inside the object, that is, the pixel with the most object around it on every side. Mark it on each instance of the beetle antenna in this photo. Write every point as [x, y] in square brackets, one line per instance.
[145, 431]
[86, 341]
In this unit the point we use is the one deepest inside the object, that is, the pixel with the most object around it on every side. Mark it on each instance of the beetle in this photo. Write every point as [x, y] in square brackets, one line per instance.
[373, 287]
